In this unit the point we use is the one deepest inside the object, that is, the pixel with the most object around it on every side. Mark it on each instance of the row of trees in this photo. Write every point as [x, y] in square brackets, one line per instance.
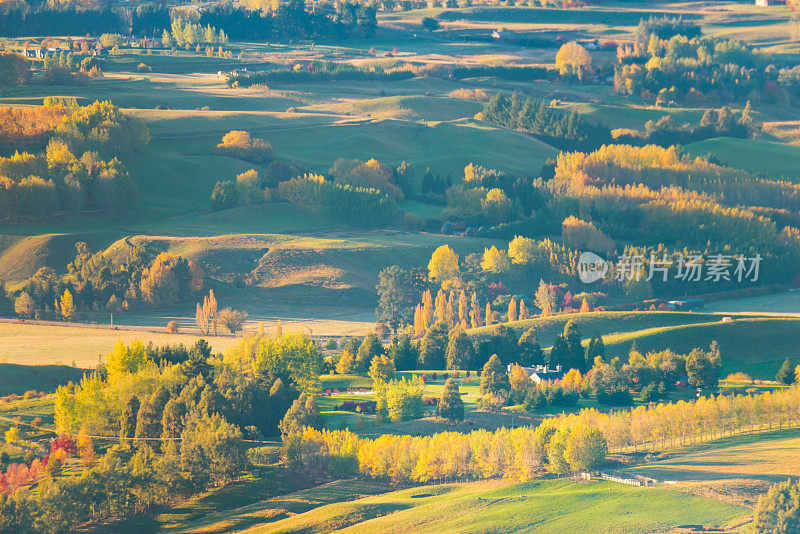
[318, 71]
[38, 186]
[487, 288]
[522, 453]
[343, 203]
[567, 131]
[184, 32]
[565, 444]
[95, 282]
[293, 20]
[20, 18]
[723, 122]
[57, 181]
[290, 20]
[446, 347]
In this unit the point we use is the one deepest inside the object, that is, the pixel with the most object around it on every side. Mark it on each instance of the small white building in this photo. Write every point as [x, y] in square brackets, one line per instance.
[541, 373]
[502, 34]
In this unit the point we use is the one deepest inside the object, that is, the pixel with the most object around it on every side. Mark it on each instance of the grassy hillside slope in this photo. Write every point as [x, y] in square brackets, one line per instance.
[737, 469]
[497, 506]
[755, 346]
[603, 323]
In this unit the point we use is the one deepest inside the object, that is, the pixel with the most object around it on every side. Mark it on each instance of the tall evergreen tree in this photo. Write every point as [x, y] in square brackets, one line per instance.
[404, 353]
[460, 351]
[370, 347]
[596, 348]
[530, 352]
[786, 373]
[559, 353]
[127, 422]
[494, 379]
[576, 354]
[451, 406]
[432, 354]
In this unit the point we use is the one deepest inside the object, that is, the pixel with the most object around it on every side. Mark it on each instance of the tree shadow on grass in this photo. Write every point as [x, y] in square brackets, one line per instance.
[18, 379]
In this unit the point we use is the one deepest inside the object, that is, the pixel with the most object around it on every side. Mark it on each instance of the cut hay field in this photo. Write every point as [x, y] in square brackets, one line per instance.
[735, 469]
[30, 344]
[495, 506]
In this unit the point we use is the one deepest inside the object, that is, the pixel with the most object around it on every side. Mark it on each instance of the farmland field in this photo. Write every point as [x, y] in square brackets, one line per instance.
[735, 469]
[29, 344]
[555, 506]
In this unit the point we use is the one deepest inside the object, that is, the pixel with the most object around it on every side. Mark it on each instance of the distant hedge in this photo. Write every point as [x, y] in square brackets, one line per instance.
[504, 72]
[343, 203]
[321, 71]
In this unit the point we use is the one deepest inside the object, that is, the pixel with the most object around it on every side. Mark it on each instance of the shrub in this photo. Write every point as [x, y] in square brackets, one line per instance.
[239, 144]
[172, 327]
[477, 95]
[739, 377]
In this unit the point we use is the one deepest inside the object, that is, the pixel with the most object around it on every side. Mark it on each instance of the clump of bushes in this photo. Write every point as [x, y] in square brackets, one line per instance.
[239, 144]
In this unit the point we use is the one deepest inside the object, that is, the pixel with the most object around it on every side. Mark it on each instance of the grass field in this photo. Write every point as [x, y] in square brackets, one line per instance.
[252, 503]
[780, 304]
[735, 469]
[15, 378]
[756, 346]
[775, 160]
[603, 323]
[498, 506]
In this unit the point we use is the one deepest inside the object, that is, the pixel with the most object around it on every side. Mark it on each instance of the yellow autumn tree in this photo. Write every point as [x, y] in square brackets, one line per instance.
[206, 314]
[475, 314]
[572, 379]
[67, 305]
[443, 265]
[463, 309]
[519, 378]
[524, 313]
[512, 310]
[427, 309]
[572, 58]
[124, 359]
[495, 261]
[522, 250]
[86, 448]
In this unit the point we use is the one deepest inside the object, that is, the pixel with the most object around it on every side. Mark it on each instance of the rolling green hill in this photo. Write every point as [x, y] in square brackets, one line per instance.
[735, 469]
[775, 160]
[494, 506]
[603, 323]
[756, 346]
